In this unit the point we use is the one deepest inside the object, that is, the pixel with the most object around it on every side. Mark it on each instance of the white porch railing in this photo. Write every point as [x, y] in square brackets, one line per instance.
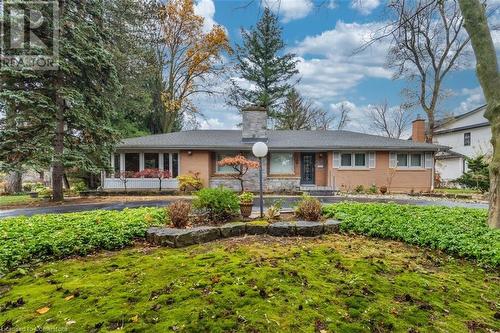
[140, 183]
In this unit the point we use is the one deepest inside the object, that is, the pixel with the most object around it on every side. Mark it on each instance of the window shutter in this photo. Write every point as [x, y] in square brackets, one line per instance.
[336, 160]
[393, 161]
[429, 161]
[371, 160]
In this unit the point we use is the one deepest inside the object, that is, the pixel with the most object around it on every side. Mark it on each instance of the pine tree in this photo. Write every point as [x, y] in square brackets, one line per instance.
[259, 62]
[63, 117]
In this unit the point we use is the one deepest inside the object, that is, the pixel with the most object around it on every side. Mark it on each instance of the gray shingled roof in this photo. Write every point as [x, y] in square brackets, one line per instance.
[278, 140]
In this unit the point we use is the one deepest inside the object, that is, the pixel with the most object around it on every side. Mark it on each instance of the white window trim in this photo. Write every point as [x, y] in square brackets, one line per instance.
[408, 161]
[293, 163]
[228, 153]
[141, 161]
[353, 160]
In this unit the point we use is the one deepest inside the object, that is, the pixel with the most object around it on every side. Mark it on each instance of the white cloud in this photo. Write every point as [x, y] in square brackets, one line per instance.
[473, 98]
[328, 66]
[365, 7]
[290, 9]
[206, 9]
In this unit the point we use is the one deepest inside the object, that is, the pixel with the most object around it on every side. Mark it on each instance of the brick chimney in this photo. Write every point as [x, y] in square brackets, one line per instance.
[254, 126]
[418, 130]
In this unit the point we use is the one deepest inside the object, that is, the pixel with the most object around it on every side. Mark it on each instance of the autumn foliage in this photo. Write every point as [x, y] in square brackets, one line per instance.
[241, 165]
[154, 173]
[192, 55]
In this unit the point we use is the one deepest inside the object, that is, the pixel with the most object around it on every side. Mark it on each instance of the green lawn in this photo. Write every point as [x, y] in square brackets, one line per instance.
[457, 191]
[339, 283]
[8, 200]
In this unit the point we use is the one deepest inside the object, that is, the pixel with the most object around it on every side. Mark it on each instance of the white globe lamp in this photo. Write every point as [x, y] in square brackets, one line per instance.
[259, 150]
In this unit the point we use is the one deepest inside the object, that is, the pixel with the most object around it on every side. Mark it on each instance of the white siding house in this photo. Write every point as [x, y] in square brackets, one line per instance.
[468, 135]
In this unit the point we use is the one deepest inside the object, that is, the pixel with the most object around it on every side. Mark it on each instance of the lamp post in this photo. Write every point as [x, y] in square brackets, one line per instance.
[260, 149]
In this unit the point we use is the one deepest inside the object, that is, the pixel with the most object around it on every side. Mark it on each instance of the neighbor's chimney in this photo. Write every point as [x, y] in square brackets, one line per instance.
[254, 123]
[418, 130]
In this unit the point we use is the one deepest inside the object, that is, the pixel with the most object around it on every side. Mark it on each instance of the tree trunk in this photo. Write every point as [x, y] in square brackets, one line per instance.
[476, 25]
[58, 144]
[13, 182]
[66, 181]
[429, 132]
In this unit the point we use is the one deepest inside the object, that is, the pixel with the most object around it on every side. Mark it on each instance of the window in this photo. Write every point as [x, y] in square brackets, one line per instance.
[416, 160]
[402, 160]
[360, 159]
[281, 163]
[171, 163]
[224, 169]
[132, 162]
[467, 139]
[117, 163]
[175, 165]
[346, 160]
[151, 161]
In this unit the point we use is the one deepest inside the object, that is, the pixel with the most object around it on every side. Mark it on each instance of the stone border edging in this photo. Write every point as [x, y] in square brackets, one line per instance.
[174, 237]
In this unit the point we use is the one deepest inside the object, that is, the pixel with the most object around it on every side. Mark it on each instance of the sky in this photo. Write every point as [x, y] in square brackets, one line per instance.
[323, 35]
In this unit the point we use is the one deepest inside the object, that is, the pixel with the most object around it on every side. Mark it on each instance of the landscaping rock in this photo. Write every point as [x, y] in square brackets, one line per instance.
[256, 228]
[165, 236]
[234, 229]
[308, 228]
[198, 235]
[331, 226]
[282, 229]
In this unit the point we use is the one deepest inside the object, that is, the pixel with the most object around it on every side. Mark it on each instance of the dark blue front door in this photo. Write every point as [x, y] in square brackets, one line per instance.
[307, 169]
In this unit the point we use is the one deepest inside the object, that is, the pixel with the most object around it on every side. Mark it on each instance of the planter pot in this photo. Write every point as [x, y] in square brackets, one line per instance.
[33, 194]
[246, 209]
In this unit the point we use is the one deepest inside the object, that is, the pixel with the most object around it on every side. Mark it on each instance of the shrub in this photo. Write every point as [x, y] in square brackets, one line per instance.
[246, 197]
[45, 192]
[79, 186]
[273, 212]
[477, 176]
[41, 237]
[190, 182]
[359, 189]
[28, 187]
[178, 212]
[383, 189]
[309, 208]
[460, 231]
[373, 189]
[219, 204]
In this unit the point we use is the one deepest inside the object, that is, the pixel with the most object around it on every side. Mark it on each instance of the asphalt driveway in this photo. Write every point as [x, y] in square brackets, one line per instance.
[287, 202]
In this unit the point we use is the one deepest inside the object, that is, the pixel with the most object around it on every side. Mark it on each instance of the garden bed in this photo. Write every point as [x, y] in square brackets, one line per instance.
[175, 237]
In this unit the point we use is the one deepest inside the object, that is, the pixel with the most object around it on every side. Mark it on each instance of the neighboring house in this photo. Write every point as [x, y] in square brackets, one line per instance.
[468, 135]
[306, 160]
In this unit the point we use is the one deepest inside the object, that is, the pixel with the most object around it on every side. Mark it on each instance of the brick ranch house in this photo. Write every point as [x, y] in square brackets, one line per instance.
[297, 160]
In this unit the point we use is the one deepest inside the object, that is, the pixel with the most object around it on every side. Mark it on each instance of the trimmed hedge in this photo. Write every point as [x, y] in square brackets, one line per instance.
[459, 231]
[42, 237]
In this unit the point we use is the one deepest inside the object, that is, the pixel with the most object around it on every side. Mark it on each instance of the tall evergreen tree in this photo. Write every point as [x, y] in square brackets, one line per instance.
[63, 117]
[259, 62]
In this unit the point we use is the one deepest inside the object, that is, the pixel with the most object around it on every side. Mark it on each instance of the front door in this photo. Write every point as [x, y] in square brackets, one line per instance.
[307, 169]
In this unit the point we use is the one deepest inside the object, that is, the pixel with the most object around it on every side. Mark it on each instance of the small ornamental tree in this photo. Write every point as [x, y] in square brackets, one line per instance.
[155, 173]
[477, 176]
[124, 176]
[241, 165]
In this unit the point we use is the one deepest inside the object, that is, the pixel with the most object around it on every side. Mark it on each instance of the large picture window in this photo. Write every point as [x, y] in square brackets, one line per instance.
[346, 160]
[353, 160]
[224, 169]
[402, 160]
[171, 163]
[132, 162]
[410, 160]
[151, 161]
[281, 164]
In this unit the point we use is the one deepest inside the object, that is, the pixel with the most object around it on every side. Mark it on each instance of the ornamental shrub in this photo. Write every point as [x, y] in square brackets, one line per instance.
[246, 197]
[218, 204]
[178, 212]
[477, 176]
[188, 183]
[308, 208]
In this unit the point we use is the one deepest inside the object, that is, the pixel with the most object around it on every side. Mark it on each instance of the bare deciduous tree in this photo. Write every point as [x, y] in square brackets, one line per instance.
[343, 117]
[391, 122]
[299, 113]
[428, 41]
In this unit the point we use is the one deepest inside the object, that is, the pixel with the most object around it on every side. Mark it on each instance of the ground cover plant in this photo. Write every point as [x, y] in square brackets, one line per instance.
[339, 283]
[41, 237]
[459, 231]
[14, 200]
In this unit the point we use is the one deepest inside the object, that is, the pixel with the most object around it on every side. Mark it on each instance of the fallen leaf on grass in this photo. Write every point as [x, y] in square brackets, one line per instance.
[135, 319]
[43, 310]
[67, 298]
